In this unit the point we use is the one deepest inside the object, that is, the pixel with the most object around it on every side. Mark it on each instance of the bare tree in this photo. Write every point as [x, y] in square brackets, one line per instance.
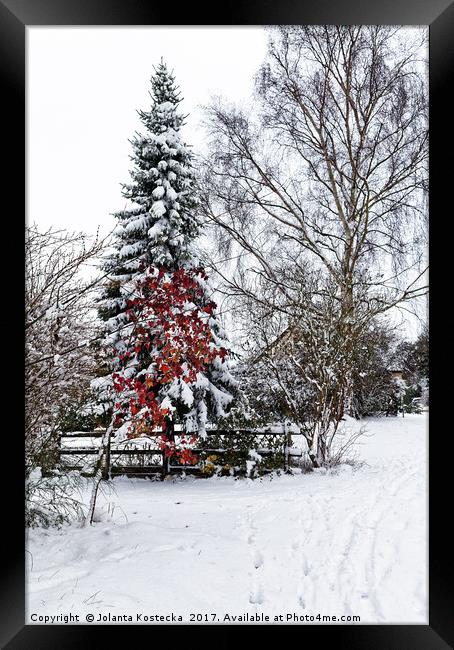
[329, 178]
[59, 330]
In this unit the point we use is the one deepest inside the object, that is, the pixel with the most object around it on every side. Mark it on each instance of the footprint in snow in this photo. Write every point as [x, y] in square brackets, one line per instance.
[301, 600]
[258, 559]
[256, 597]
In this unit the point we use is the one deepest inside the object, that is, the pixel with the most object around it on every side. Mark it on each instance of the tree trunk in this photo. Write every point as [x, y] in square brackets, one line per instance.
[318, 451]
[287, 444]
[102, 470]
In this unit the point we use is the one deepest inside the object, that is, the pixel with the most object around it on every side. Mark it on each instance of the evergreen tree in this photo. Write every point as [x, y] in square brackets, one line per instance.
[155, 238]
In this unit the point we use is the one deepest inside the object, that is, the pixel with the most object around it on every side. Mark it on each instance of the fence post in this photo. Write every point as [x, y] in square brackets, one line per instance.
[286, 451]
[170, 433]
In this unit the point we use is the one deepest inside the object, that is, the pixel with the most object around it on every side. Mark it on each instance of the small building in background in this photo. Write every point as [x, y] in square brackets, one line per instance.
[396, 373]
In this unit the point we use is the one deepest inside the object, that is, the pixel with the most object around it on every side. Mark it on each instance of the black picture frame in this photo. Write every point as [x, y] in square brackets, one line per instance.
[15, 16]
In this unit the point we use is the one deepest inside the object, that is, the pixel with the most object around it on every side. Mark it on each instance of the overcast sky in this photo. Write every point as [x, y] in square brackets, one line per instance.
[84, 88]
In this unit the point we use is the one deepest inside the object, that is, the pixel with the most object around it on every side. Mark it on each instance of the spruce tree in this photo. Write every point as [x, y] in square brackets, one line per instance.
[155, 237]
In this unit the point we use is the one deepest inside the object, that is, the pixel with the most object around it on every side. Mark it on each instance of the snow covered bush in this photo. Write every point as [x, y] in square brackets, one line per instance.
[235, 453]
[374, 355]
[53, 500]
[59, 360]
[297, 361]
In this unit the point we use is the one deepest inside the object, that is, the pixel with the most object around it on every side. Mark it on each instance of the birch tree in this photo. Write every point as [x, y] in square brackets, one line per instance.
[327, 176]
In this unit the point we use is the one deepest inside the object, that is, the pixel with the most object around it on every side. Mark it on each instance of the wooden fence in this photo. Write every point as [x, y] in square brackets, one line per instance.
[147, 461]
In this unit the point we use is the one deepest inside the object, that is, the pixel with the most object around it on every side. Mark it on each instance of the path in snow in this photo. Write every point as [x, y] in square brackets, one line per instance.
[351, 541]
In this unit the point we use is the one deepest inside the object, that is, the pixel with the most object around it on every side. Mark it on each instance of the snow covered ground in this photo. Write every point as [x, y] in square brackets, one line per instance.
[348, 542]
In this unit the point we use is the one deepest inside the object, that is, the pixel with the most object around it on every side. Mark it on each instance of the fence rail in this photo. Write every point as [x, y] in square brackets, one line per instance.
[165, 467]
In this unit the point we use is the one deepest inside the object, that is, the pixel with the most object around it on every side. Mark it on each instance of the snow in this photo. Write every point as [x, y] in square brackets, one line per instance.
[157, 229]
[158, 208]
[158, 192]
[130, 249]
[136, 223]
[347, 541]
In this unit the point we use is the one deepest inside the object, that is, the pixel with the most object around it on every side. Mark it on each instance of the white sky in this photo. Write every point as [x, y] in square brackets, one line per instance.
[84, 87]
